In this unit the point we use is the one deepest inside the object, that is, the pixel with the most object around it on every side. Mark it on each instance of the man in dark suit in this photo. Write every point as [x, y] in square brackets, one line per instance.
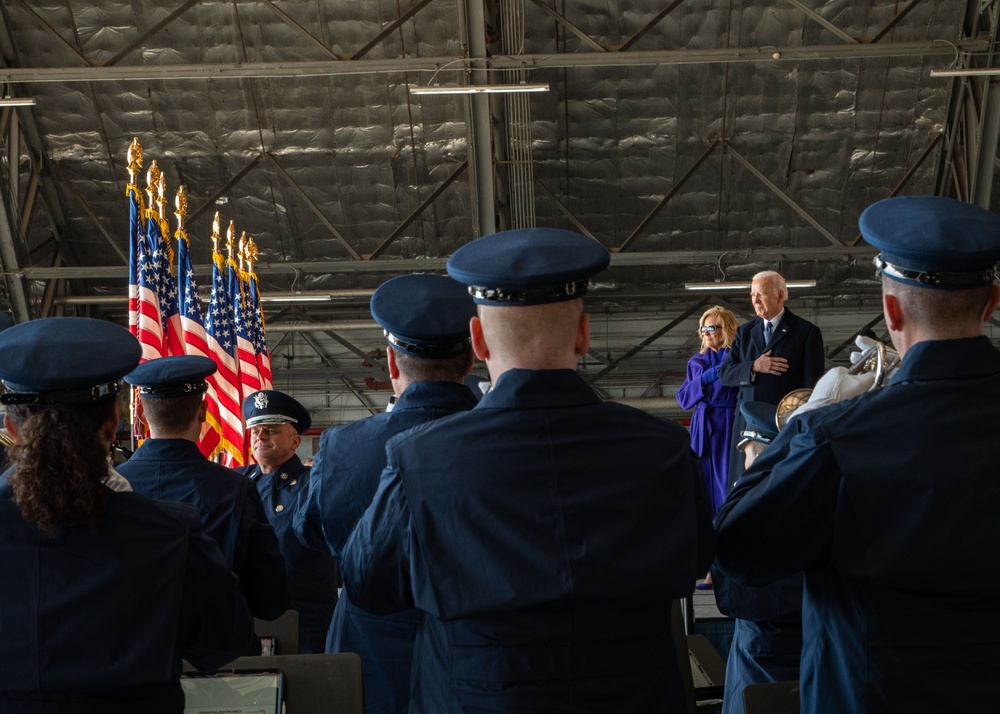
[773, 354]
[887, 501]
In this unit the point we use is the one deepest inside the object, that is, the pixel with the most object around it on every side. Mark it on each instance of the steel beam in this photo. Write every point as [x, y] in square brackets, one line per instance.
[666, 198]
[785, 55]
[338, 236]
[150, 32]
[472, 22]
[402, 265]
[581, 35]
[649, 340]
[564, 209]
[820, 20]
[776, 190]
[390, 239]
[389, 29]
[290, 21]
[641, 32]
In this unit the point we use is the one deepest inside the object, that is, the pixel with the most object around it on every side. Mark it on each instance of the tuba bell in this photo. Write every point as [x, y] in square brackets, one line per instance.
[876, 357]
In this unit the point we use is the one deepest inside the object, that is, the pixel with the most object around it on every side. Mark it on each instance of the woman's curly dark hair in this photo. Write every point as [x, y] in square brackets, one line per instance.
[60, 464]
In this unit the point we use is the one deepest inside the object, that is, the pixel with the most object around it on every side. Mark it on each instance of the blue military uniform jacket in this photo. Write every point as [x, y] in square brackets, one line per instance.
[98, 619]
[313, 574]
[543, 535]
[345, 475]
[889, 504]
[231, 513]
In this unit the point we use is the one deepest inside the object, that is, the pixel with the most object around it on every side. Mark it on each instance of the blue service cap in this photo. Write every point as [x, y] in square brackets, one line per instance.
[424, 315]
[761, 421]
[528, 267]
[65, 360]
[933, 241]
[272, 407]
[171, 376]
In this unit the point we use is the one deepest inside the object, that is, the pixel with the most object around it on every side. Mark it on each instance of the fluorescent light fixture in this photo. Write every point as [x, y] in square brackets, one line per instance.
[481, 89]
[745, 286]
[17, 102]
[975, 72]
[304, 297]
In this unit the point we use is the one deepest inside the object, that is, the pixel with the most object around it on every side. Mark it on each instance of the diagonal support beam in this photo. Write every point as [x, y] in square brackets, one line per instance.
[820, 20]
[587, 39]
[313, 40]
[149, 33]
[849, 342]
[935, 140]
[666, 199]
[782, 195]
[51, 30]
[894, 21]
[649, 340]
[564, 210]
[315, 209]
[97, 221]
[418, 210]
[641, 32]
[359, 396]
[210, 201]
[390, 28]
[325, 358]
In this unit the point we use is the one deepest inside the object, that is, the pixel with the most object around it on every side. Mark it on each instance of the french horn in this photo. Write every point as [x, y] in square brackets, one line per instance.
[876, 357]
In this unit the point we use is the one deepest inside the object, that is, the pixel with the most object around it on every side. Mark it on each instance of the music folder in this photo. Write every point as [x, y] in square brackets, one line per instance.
[233, 692]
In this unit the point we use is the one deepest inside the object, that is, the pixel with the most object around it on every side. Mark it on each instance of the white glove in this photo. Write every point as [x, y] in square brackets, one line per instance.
[863, 343]
[836, 386]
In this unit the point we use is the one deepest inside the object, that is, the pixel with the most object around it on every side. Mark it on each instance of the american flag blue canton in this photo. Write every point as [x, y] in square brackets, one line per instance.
[187, 286]
[218, 323]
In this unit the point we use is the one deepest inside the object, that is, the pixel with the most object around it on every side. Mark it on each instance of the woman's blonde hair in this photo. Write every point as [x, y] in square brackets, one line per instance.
[728, 321]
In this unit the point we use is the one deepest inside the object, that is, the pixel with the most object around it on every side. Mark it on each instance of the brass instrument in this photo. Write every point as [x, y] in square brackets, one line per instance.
[5, 439]
[876, 357]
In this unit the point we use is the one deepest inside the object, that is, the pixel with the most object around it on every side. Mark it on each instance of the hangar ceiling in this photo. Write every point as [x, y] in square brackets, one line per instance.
[699, 142]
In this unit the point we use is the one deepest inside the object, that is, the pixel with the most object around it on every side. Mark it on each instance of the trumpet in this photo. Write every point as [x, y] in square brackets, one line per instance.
[876, 357]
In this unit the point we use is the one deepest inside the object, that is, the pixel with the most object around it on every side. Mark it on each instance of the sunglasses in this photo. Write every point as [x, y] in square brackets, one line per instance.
[710, 329]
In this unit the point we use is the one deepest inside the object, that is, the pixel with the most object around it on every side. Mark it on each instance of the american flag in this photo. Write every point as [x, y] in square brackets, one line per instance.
[256, 314]
[221, 334]
[195, 340]
[161, 255]
[249, 376]
[135, 241]
[149, 282]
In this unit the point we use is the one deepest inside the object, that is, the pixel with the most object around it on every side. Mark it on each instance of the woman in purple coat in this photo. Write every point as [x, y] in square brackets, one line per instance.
[714, 404]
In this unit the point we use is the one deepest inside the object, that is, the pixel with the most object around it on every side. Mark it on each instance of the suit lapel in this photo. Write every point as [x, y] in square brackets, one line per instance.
[786, 324]
[757, 336]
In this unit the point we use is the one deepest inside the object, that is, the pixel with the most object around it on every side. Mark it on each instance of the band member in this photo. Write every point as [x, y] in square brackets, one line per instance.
[887, 501]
